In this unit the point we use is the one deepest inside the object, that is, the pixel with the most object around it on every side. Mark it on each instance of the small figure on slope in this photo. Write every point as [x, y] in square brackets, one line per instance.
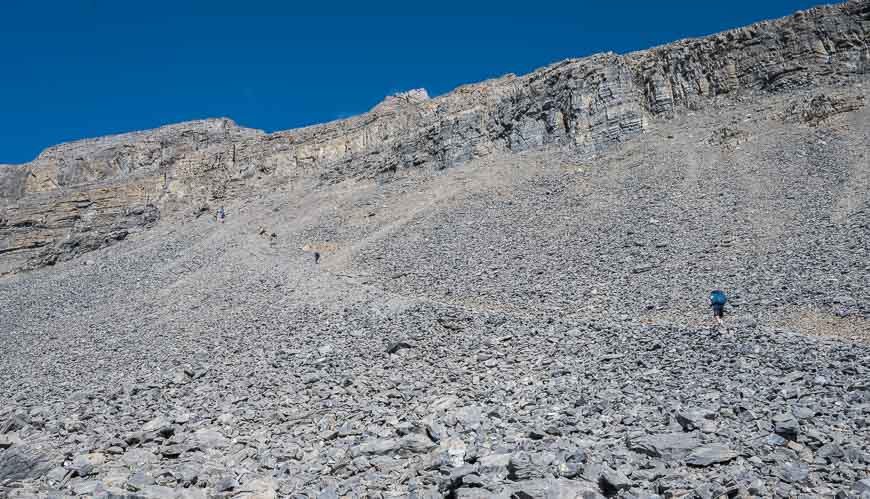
[717, 303]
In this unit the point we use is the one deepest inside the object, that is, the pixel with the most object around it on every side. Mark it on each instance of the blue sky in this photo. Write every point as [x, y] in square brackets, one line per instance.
[75, 69]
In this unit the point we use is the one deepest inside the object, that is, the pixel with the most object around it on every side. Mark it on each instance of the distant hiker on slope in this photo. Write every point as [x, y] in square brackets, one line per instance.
[316, 257]
[717, 303]
[221, 215]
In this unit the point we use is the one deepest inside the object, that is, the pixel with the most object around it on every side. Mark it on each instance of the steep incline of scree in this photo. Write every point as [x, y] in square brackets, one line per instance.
[84, 195]
[527, 325]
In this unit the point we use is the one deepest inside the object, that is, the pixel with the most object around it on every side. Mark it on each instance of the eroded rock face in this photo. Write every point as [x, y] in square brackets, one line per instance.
[91, 186]
[84, 195]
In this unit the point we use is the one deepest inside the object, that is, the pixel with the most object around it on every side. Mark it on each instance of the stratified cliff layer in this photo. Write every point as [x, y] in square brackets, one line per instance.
[86, 194]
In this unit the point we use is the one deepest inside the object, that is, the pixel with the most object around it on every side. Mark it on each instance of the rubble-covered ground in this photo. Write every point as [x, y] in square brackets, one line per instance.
[530, 325]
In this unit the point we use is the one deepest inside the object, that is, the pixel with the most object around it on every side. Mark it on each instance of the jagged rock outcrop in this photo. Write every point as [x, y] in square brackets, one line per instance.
[89, 193]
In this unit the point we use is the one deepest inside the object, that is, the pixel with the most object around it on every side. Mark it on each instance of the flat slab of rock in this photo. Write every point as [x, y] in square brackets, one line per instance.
[159, 424]
[210, 439]
[669, 446]
[9, 440]
[22, 463]
[696, 418]
[612, 481]
[398, 345]
[794, 472]
[375, 448]
[86, 464]
[138, 457]
[710, 454]
[556, 488]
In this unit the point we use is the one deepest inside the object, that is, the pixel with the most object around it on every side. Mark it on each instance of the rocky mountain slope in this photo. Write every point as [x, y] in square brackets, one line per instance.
[78, 196]
[510, 300]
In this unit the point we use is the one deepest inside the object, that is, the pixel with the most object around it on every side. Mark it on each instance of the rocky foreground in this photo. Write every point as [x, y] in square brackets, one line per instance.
[524, 319]
[390, 397]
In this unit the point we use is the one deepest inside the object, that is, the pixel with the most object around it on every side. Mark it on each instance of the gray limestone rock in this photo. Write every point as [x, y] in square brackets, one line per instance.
[613, 481]
[22, 462]
[226, 484]
[786, 425]
[551, 488]
[86, 464]
[9, 440]
[139, 481]
[523, 466]
[670, 446]
[710, 454]
[696, 418]
[793, 472]
[375, 447]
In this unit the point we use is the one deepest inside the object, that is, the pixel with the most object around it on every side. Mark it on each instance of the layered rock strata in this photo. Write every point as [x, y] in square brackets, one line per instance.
[87, 194]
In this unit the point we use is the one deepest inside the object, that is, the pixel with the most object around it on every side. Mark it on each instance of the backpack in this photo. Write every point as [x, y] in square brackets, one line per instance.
[718, 298]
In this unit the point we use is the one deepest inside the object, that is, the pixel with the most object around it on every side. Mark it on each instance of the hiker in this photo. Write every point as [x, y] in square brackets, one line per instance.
[717, 303]
[221, 214]
[316, 257]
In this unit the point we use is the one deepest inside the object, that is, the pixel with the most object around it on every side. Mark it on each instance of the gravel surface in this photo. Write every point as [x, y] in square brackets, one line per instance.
[528, 325]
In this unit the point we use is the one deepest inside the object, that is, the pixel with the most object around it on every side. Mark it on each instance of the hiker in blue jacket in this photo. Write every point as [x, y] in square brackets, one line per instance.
[717, 303]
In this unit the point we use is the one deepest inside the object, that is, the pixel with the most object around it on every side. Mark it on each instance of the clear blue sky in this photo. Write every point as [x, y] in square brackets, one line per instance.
[83, 68]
